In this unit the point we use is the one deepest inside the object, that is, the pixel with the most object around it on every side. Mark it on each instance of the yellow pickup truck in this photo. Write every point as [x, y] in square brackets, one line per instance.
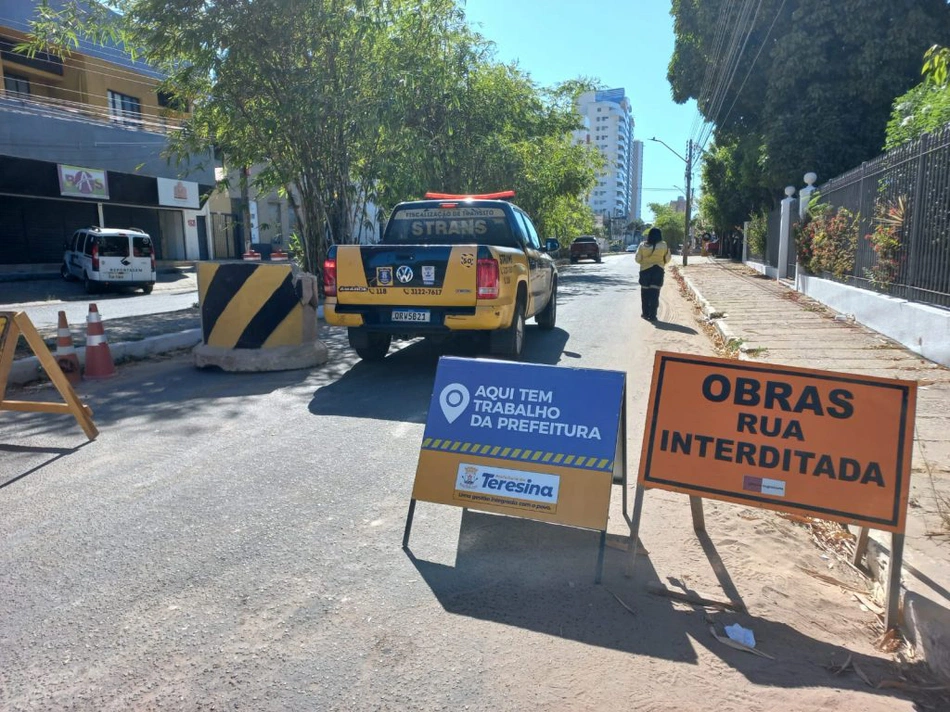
[446, 264]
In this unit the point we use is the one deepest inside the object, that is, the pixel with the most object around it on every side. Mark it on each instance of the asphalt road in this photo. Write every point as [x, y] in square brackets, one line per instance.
[232, 541]
[42, 300]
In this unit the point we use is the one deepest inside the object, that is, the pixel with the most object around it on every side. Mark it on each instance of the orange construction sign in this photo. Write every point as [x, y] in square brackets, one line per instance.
[825, 444]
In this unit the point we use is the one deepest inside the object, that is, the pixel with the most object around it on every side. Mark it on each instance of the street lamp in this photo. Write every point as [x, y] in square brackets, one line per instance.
[689, 196]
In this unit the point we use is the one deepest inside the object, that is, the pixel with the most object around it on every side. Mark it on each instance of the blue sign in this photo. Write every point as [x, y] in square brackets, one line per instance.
[526, 413]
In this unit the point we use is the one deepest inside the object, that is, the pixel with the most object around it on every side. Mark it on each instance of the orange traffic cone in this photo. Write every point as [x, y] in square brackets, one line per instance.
[98, 357]
[65, 352]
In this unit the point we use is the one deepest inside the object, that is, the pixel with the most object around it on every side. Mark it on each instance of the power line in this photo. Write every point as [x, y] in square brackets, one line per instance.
[27, 28]
[728, 67]
[711, 64]
[134, 74]
[735, 67]
[743, 25]
[755, 59]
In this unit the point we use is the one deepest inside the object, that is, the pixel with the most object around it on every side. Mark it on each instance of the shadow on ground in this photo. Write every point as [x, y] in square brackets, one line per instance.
[60, 290]
[399, 387]
[20, 453]
[671, 326]
[576, 282]
[539, 577]
[159, 395]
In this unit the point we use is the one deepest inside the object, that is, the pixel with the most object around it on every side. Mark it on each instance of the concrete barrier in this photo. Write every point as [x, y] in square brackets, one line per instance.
[257, 316]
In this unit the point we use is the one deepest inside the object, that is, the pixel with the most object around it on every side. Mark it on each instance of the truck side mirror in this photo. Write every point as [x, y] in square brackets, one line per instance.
[551, 245]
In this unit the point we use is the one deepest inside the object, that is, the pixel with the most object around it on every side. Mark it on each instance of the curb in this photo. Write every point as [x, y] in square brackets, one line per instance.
[27, 370]
[717, 317]
[924, 622]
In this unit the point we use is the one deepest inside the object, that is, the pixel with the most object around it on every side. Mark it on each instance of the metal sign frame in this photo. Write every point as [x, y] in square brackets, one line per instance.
[890, 401]
[443, 462]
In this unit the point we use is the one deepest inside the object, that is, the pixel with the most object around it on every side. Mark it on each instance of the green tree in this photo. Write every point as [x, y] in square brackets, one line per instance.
[349, 101]
[731, 184]
[810, 85]
[670, 222]
[636, 226]
[924, 108]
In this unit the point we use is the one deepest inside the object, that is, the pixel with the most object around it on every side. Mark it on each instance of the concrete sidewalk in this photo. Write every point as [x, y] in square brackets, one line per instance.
[131, 338]
[765, 320]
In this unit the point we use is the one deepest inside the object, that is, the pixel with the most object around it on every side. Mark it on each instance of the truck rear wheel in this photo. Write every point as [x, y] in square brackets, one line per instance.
[368, 345]
[547, 317]
[510, 342]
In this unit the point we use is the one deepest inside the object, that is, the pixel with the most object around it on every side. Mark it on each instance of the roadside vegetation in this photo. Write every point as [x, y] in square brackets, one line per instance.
[347, 103]
[813, 87]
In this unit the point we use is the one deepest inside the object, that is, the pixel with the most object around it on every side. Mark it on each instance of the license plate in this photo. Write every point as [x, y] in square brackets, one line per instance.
[414, 315]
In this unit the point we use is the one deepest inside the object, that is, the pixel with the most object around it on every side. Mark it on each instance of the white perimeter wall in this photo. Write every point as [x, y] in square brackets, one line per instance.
[919, 327]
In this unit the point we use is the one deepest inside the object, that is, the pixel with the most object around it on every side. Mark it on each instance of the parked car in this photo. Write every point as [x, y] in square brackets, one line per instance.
[110, 257]
[585, 247]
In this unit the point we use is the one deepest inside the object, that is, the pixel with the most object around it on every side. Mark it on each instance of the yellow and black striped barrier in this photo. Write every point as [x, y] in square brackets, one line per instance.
[519, 454]
[252, 318]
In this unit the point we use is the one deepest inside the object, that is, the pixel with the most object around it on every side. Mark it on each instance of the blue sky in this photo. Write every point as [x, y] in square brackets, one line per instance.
[623, 43]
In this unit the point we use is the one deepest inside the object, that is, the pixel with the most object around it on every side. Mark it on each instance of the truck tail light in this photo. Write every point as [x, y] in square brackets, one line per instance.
[153, 261]
[329, 278]
[95, 258]
[486, 279]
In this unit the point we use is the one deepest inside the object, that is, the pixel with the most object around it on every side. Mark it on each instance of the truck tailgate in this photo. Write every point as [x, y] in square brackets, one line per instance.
[412, 275]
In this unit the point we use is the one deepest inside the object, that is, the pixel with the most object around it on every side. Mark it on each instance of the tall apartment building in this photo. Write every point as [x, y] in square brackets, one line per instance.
[81, 143]
[636, 182]
[608, 125]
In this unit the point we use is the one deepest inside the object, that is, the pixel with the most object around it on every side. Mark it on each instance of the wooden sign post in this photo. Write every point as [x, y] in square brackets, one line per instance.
[824, 444]
[12, 325]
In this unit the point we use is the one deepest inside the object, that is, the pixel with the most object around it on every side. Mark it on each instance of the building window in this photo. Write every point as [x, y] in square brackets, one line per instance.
[40, 60]
[276, 228]
[167, 100]
[126, 110]
[16, 85]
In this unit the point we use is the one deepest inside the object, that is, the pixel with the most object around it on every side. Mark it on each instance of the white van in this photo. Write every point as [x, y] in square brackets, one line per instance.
[110, 257]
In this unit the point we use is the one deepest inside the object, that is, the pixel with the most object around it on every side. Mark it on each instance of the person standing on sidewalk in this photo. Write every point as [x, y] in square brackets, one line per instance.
[652, 257]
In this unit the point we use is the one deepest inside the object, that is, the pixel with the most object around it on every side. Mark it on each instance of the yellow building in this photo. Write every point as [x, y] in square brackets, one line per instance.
[82, 142]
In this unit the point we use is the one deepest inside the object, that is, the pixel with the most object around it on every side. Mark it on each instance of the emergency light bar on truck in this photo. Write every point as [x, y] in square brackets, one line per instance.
[501, 195]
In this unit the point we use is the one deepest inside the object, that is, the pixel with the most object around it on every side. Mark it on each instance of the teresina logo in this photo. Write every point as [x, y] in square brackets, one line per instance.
[489, 481]
[503, 486]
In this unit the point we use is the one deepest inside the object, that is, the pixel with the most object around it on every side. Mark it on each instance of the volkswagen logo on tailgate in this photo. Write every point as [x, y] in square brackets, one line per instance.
[404, 274]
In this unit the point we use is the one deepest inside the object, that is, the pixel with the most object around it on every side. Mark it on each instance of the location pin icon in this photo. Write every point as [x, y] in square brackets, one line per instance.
[454, 400]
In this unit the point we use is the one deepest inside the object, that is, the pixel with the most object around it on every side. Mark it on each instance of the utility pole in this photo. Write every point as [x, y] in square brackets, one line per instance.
[689, 188]
[689, 198]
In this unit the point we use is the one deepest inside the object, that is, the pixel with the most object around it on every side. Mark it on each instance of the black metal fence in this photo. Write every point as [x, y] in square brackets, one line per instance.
[905, 191]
